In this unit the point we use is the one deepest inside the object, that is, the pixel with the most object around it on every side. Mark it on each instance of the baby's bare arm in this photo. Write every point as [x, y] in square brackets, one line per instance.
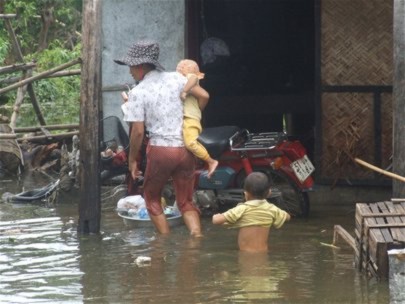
[201, 95]
[192, 81]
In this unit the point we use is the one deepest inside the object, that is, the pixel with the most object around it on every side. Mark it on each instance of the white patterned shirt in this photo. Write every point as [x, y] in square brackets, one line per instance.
[156, 102]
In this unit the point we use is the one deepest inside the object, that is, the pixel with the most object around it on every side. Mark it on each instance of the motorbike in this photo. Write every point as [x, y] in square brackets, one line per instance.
[239, 153]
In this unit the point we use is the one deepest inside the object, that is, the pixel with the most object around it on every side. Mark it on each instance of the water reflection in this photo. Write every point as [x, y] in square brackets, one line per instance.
[37, 262]
[42, 259]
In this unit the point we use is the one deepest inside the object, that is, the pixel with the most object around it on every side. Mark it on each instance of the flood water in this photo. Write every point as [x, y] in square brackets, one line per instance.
[44, 260]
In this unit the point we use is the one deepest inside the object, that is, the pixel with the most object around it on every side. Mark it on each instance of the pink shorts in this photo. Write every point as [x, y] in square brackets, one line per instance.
[163, 163]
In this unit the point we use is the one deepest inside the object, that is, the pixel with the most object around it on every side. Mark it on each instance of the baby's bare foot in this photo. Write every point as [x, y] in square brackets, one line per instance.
[212, 165]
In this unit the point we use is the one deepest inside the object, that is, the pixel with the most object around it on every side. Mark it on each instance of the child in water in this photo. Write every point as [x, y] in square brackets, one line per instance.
[255, 217]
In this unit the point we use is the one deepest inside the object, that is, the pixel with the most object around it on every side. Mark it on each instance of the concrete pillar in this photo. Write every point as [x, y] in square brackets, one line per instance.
[398, 106]
[396, 261]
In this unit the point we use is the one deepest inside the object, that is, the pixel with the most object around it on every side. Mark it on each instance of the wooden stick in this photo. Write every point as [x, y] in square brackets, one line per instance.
[330, 245]
[65, 73]
[12, 80]
[49, 127]
[8, 16]
[39, 76]
[17, 67]
[19, 55]
[18, 102]
[7, 136]
[398, 200]
[340, 231]
[390, 174]
[53, 136]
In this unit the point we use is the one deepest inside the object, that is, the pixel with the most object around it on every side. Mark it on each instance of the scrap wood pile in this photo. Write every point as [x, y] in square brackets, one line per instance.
[40, 150]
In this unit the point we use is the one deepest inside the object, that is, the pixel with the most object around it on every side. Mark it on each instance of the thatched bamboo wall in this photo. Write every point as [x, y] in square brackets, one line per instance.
[356, 53]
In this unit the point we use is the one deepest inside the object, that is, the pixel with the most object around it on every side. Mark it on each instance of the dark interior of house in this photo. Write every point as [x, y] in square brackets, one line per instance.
[258, 57]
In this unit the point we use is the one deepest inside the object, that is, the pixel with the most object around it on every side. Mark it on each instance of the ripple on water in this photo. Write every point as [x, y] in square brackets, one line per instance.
[37, 263]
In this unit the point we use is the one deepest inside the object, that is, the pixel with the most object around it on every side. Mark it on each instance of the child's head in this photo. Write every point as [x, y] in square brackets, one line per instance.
[188, 66]
[257, 185]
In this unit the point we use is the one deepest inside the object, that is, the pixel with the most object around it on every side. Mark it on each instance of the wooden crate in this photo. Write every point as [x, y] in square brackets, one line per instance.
[379, 227]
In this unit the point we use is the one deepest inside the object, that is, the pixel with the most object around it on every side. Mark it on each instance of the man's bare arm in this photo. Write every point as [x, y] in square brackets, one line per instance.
[136, 139]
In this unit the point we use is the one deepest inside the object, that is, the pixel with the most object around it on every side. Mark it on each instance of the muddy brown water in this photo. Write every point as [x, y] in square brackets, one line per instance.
[44, 260]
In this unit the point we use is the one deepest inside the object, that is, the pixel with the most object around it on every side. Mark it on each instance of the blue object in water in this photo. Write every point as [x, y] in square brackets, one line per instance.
[143, 213]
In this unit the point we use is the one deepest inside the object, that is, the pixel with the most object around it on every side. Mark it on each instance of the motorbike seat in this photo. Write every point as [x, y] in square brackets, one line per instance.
[216, 139]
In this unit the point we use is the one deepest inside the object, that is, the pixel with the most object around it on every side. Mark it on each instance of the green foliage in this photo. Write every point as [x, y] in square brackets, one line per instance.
[4, 48]
[58, 97]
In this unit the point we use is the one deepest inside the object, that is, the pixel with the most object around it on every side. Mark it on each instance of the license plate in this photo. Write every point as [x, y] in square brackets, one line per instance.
[302, 168]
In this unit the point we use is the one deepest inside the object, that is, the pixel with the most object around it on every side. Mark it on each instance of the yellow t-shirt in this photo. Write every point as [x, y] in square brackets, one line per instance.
[191, 108]
[255, 213]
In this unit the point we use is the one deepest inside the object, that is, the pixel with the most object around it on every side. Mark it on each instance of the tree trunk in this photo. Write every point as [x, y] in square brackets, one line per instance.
[47, 20]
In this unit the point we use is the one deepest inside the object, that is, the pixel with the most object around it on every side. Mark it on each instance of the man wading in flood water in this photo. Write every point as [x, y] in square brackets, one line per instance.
[155, 105]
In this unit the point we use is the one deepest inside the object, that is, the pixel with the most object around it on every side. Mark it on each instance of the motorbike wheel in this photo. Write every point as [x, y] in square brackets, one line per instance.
[285, 194]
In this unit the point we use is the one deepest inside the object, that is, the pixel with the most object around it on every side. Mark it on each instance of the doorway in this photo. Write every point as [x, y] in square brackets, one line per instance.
[258, 57]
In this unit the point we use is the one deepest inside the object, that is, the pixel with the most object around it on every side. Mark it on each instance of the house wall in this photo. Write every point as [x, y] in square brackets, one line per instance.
[355, 89]
[126, 21]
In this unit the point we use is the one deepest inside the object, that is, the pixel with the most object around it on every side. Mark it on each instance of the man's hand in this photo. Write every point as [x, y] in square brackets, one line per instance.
[183, 96]
[133, 168]
[124, 96]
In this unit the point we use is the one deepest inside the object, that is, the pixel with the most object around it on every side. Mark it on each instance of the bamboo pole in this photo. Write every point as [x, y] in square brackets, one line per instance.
[17, 67]
[65, 73]
[58, 136]
[387, 173]
[8, 16]
[12, 80]
[18, 102]
[19, 56]
[7, 136]
[40, 76]
[49, 127]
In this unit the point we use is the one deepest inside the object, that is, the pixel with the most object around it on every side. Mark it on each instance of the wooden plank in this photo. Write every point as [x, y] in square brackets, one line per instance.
[359, 231]
[398, 200]
[399, 225]
[390, 220]
[371, 241]
[399, 232]
[381, 224]
[340, 231]
[381, 250]
[377, 241]
[90, 108]
[401, 209]
[384, 214]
